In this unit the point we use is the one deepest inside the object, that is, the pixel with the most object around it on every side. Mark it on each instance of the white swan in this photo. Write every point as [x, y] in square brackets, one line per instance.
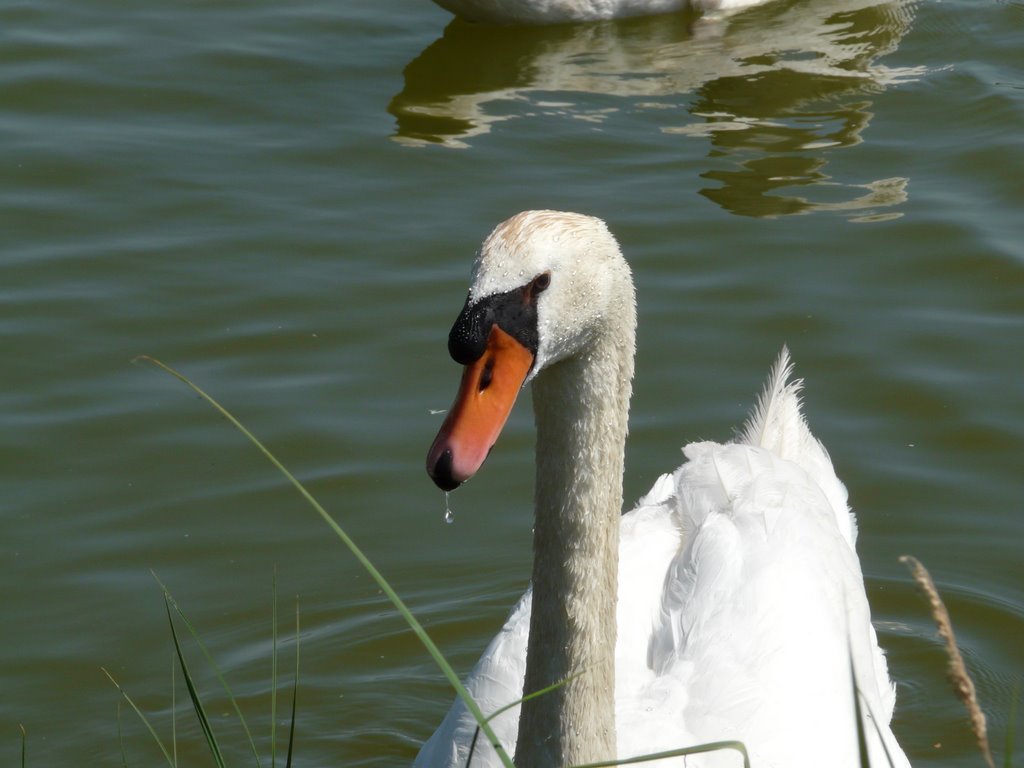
[559, 11]
[740, 604]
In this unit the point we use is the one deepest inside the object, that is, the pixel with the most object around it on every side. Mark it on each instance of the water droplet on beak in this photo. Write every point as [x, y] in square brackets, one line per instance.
[449, 516]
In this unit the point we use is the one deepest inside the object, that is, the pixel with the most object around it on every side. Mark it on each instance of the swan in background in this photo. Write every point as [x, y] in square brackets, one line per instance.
[775, 93]
[729, 604]
[474, 77]
[561, 11]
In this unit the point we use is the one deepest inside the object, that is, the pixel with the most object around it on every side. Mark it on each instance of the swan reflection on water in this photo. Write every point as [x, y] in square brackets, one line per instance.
[771, 89]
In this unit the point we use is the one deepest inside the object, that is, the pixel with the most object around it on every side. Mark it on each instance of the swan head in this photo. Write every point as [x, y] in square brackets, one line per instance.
[544, 284]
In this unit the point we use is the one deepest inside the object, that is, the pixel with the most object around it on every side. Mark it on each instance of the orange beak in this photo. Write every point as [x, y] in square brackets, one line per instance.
[486, 395]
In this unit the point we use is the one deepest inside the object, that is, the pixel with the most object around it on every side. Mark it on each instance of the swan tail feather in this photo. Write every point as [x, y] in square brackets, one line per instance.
[777, 424]
[776, 421]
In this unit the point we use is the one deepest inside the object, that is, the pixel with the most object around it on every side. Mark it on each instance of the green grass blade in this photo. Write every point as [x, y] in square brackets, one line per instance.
[878, 731]
[273, 673]
[197, 705]
[535, 694]
[120, 741]
[295, 690]
[381, 582]
[472, 747]
[714, 746]
[174, 712]
[142, 717]
[517, 702]
[862, 743]
[24, 738]
[213, 665]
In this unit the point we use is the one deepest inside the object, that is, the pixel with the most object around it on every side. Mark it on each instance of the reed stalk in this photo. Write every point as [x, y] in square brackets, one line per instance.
[963, 685]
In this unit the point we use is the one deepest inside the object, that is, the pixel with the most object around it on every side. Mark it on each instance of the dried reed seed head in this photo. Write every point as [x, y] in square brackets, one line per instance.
[963, 685]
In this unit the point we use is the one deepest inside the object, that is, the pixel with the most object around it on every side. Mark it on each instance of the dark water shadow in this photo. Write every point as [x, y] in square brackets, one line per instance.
[775, 90]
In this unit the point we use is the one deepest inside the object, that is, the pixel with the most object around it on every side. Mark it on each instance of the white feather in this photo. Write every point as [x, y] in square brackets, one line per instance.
[738, 629]
[557, 11]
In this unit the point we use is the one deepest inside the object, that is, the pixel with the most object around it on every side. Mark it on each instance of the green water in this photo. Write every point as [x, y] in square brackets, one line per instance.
[282, 200]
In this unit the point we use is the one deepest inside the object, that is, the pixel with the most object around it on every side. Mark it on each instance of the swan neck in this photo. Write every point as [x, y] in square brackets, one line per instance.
[581, 408]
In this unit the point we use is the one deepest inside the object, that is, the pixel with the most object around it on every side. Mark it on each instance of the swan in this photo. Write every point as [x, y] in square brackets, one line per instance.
[728, 604]
[561, 11]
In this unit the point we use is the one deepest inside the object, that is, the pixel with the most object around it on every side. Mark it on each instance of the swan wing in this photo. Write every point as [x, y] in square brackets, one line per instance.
[495, 681]
[763, 615]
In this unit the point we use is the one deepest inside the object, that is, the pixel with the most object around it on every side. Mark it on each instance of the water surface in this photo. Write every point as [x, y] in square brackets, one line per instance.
[283, 201]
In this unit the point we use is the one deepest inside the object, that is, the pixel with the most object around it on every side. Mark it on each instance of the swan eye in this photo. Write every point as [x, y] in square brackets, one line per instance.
[541, 282]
